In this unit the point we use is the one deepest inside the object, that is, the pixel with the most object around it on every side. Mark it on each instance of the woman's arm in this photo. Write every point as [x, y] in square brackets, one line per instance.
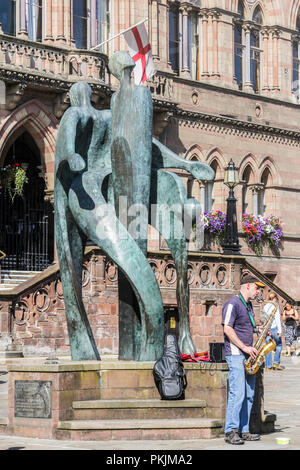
[283, 316]
[296, 316]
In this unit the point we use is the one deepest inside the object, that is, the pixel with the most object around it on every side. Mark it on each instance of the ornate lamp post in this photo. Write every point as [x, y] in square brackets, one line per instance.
[231, 244]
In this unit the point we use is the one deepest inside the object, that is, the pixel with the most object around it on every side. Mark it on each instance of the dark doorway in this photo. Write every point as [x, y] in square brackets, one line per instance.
[26, 225]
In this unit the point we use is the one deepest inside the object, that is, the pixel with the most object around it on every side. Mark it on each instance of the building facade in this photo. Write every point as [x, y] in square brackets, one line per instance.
[227, 86]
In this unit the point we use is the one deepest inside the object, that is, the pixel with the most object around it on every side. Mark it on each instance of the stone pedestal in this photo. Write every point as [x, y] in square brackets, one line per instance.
[118, 400]
[112, 400]
[260, 421]
[38, 416]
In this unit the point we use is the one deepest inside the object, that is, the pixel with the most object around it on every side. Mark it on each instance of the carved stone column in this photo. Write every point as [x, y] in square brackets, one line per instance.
[215, 26]
[93, 24]
[205, 72]
[265, 35]
[180, 34]
[247, 84]
[154, 30]
[163, 12]
[256, 189]
[60, 21]
[275, 37]
[68, 21]
[185, 71]
[49, 19]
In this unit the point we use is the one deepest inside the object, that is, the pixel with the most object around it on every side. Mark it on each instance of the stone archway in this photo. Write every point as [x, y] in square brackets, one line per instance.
[26, 224]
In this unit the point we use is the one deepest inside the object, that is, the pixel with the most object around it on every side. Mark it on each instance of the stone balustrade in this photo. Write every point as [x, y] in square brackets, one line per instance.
[52, 61]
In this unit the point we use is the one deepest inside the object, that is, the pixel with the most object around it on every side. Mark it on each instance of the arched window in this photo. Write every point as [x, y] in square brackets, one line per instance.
[34, 10]
[102, 23]
[247, 178]
[184, 41]
[174, 39]
[265, 194]
[214, 190]
[257, 15]
[194, 46]
[91, 23]
[26, 229]
[192, 189]
[238, 55]
[238, 46]
[255, 50]
[8, 16]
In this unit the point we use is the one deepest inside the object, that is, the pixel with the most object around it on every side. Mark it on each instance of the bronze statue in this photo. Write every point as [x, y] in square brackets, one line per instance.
[104, 158]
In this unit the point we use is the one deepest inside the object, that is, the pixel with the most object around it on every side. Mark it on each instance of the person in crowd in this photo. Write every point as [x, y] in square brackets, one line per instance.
[290, 317]
[275, 332]
[239, 326]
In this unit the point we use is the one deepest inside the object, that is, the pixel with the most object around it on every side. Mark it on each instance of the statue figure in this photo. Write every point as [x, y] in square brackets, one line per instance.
[102, 159]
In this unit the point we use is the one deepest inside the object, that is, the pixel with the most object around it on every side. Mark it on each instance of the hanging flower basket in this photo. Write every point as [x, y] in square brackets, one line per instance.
[262, 231]
[13, 177]
[213, 224]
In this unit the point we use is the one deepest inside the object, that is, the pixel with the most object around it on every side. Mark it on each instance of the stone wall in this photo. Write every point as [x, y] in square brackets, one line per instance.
[34, 315]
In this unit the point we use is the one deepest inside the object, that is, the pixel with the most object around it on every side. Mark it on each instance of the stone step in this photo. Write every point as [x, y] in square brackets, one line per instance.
[140, 429]
[138, 409]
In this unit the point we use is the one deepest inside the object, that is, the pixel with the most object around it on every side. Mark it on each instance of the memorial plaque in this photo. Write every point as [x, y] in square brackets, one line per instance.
[33, 399]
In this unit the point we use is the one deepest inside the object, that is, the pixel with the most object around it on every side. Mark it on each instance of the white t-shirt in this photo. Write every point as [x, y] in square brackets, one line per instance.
[268, 309]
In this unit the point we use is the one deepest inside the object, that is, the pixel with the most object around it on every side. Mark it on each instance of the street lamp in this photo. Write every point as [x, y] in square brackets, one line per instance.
[231, 244]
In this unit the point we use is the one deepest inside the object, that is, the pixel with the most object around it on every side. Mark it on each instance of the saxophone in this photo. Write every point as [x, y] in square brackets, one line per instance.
[263, 348]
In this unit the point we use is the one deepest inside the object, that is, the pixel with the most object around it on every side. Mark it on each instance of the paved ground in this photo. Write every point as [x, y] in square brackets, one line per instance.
[281, 398]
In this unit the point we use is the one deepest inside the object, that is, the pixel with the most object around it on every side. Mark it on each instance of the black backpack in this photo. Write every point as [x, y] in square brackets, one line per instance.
[168, 371]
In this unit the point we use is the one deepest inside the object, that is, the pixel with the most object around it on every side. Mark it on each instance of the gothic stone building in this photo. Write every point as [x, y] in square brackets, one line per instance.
[227, 86]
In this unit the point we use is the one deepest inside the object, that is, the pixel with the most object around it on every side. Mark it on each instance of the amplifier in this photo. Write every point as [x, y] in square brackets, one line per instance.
[216, 352]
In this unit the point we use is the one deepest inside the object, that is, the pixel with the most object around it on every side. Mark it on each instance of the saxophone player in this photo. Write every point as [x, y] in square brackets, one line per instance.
[239, 327]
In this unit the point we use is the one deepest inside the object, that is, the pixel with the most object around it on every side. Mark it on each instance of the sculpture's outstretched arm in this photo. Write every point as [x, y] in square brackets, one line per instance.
[103, 227]
[169, 193]
[162, 157]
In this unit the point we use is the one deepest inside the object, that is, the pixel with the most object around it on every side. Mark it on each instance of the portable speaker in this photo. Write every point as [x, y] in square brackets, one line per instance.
[216, 352]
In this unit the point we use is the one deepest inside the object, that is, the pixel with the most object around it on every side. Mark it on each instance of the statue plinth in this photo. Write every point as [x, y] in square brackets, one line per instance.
[112, 399]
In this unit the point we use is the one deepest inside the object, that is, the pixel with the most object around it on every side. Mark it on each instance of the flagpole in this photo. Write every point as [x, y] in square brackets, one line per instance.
[119, 34]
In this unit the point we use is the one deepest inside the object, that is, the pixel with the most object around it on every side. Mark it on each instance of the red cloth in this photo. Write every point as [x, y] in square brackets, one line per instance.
[196, 357]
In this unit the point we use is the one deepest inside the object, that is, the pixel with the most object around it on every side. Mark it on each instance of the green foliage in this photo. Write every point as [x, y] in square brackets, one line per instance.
[13, 178]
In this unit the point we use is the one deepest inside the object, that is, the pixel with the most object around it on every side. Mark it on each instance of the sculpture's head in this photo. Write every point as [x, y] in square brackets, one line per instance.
[80, 94]
[120, 61]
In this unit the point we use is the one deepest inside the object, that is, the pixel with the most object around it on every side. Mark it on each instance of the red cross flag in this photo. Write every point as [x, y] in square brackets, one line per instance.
[140, 51]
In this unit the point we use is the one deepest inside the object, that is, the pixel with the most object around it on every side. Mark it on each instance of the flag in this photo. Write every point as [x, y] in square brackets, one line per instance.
[140, 51]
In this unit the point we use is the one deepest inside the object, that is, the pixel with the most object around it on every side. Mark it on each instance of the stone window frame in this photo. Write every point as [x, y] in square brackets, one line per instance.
[257, 50]
[13, 19]
[92, 20]
[188, 18]
[37, 35]
[248, 51]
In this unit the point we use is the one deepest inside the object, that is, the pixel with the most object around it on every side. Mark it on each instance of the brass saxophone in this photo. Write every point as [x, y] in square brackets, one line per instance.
[263, 348]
